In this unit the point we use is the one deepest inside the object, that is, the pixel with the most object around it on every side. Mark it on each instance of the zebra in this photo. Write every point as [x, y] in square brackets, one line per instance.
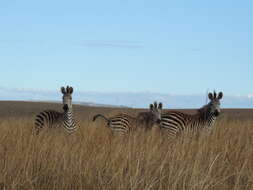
[175, 122]
[55, 119]
[147, 120]
[124, 123]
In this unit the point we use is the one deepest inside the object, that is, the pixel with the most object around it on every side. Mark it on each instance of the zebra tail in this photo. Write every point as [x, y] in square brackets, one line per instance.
[100, 115]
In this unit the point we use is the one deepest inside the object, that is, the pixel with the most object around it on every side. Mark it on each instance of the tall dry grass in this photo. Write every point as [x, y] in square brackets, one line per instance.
[93, 159]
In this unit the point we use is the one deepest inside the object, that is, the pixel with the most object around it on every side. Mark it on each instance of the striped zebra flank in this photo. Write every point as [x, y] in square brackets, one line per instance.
[120, 123]
[124, 123]
[54, 119]
[174, 122]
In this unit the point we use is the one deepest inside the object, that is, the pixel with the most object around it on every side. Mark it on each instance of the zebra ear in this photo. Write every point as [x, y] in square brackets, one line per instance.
[210, 96]
[63, 90]
[155, 105]
[160, 106]
[71, 90]
[220, 95]
[151, 106]
[214, 95]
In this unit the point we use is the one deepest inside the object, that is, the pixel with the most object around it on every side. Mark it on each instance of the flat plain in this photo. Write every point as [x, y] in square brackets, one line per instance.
[92, 158]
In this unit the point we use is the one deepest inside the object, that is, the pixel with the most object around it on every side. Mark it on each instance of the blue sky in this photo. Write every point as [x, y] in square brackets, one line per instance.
[181, 47]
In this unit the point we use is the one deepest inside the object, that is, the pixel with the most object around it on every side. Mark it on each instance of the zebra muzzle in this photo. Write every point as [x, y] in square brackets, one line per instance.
[158, 121]
[65, 107]
[216, 113]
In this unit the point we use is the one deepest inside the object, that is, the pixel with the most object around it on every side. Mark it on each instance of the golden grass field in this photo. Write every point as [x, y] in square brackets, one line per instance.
[93, 159]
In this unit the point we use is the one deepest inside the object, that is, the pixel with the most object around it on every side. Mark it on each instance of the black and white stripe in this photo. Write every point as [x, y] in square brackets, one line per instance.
[55, 119]
[124, 123]
[176, 122]
[121, 123]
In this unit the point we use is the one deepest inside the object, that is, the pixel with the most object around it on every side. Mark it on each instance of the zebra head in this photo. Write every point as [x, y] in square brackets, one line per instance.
[214, 104]
[67, 97]
[156, 112]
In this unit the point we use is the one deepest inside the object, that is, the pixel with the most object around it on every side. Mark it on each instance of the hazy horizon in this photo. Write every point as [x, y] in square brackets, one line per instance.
[127, 99]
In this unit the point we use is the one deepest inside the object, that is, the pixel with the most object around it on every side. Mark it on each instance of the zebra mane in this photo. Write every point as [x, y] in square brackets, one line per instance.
[144, 116]
[203, 112]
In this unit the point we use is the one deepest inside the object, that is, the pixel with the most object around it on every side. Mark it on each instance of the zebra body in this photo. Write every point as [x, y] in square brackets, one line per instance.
[121, 123]
[175, 122]
[124, 123]
[55, 119]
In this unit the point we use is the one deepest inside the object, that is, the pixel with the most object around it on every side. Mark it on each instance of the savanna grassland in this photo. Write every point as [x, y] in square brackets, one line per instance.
[92, 158]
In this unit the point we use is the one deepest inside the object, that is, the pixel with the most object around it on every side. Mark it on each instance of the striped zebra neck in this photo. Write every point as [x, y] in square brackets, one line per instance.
[208, 121]
[68, 121]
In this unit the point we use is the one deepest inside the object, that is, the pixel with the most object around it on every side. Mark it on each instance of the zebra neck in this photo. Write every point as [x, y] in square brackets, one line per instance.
[68, 116]
[68, 121]
[208, 120]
